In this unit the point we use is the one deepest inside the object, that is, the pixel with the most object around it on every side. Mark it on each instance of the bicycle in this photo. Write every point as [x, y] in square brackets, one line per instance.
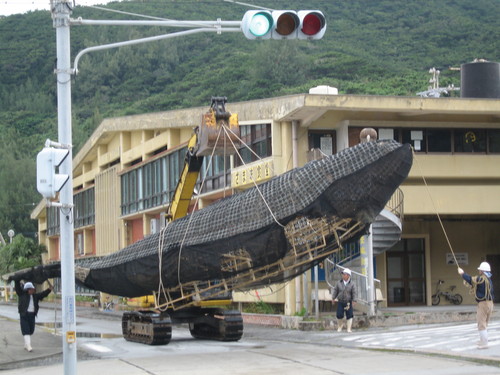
[451, 297]
[108, 305]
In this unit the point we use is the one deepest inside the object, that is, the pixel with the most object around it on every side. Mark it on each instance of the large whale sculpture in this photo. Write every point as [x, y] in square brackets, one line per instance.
[267, 234]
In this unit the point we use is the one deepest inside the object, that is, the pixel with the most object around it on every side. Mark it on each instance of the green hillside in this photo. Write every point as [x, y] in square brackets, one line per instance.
[383, 47]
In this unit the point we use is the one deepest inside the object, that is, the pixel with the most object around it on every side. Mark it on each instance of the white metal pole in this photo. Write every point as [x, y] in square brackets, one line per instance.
[295, 164]
[370, 276]
[61, 16]
[316, 292]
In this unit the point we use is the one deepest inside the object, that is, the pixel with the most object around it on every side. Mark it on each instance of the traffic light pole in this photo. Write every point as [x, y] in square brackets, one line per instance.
[61, 22]
[61, 12]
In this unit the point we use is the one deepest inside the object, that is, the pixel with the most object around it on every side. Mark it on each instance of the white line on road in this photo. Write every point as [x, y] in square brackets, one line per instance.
[97, 348]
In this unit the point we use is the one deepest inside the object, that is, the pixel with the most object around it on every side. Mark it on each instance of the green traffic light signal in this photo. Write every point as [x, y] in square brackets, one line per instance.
[283, 24]
[257, 24]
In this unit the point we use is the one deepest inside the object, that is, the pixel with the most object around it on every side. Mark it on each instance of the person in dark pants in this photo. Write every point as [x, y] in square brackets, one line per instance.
[482, 288]
[345, 294]
[28, 309]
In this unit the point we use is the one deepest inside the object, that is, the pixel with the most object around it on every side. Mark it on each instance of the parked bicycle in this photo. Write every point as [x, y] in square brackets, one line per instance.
[451, 297]
[108, 304]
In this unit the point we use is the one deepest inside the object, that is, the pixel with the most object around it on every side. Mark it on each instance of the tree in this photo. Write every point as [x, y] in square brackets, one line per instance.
[17, 192]
[21, 253]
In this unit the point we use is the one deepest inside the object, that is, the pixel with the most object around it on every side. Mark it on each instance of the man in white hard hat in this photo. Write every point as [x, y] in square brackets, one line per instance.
[28, 308]
[483, 291]
[345, 294]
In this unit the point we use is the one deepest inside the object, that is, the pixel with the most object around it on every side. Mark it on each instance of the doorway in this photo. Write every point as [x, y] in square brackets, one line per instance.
[406, 273]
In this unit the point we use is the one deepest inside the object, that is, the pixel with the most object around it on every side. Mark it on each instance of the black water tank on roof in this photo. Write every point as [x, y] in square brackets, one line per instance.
[480, 80]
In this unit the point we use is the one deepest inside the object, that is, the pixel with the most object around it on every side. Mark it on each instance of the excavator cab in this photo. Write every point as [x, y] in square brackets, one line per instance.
[219, 133]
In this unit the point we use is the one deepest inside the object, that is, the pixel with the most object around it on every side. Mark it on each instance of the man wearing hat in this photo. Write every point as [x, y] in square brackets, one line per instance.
[345, 293]
[483, 291]
[28, 308]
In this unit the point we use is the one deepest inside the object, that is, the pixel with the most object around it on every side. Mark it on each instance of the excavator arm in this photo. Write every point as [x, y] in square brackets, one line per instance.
[217, 135]
[187, 181]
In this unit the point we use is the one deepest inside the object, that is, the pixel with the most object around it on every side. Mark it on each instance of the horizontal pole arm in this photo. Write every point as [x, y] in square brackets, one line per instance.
[168, 23]
[146, 40]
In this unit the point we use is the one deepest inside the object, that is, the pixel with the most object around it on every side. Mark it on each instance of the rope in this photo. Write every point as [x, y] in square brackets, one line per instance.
[161, 287]
[195, 204]
[227, 131]
[435, 209]
[55, 306]
[252, 179]
[477, 280]
[244, 144]
[272, 291]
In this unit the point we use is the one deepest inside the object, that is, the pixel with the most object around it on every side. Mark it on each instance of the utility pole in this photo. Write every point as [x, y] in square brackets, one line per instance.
[61, 12]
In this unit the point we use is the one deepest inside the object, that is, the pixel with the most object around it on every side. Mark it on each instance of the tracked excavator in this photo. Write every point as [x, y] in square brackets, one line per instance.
[207, 318]
[267, 234]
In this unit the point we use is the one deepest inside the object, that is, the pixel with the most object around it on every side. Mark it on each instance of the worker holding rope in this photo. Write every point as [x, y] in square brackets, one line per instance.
[481, 285]
[482, 288]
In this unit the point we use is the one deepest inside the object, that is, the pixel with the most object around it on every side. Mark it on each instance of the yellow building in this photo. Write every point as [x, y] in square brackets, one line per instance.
[125, 173]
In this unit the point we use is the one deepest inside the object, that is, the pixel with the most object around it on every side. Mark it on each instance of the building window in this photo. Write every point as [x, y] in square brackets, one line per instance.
[53, 227]
[470, 140]
[84, 210]
[130, 192]
[383, 133]
[494, 141]
[416, 138]
[258, 139]
[152, 184]
[214, 175]
[433, 140]
[438, 140]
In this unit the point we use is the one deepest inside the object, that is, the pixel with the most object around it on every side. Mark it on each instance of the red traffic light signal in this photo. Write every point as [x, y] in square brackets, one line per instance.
[284, 24]
[312, 24]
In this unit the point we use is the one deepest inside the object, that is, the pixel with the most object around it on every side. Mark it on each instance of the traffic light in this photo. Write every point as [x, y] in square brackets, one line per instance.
[283, 24]
[48, 180]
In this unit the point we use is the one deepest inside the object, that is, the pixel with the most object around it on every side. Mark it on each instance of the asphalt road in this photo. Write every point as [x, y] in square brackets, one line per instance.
[262, 350]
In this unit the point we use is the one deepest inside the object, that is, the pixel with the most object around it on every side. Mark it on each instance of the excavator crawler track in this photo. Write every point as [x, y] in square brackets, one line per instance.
[218, 324]
[147, 327]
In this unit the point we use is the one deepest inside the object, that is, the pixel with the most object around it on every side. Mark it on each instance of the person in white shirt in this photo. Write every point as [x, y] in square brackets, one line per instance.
[28, 309]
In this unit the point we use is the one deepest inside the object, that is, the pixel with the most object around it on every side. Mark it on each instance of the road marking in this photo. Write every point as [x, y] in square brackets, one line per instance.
[457, 338]
[97, 348]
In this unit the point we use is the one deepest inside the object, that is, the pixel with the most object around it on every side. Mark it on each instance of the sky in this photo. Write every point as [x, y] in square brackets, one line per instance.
[9, 7]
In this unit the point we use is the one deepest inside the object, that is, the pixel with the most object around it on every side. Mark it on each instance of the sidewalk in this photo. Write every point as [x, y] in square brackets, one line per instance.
[48, 349]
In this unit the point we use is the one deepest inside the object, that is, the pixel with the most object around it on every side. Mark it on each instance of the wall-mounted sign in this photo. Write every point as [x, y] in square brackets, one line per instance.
[248, 174]
[462, 258]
